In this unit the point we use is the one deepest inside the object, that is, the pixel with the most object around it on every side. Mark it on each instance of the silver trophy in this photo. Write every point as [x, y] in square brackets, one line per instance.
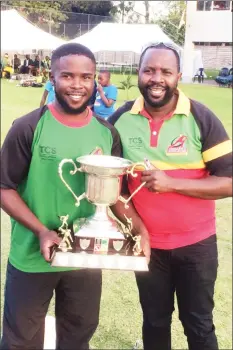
[100, 241]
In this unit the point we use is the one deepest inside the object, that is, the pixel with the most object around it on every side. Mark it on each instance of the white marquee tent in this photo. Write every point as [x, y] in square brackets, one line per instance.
[117, 37]
[17, 34]
[121, 37]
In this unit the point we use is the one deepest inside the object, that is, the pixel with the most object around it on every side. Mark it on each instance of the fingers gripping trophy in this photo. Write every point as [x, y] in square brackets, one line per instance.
[100, 241]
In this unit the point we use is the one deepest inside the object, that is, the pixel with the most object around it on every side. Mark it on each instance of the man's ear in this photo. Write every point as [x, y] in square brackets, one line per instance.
[52, 79]
[137, 70]
[179, 76]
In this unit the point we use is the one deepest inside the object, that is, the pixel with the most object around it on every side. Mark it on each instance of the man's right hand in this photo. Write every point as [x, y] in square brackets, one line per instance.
[48, 239]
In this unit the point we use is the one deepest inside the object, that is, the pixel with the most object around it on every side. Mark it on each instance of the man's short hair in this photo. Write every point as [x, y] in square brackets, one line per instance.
[161, 45]
[72, 49]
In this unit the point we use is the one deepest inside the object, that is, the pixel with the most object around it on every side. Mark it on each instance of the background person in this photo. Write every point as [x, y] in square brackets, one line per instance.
[16, 63]
[49, 93]
[106, 96]
[27, 65]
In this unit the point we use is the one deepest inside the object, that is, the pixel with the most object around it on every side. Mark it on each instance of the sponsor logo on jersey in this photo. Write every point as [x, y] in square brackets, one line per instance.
[178, 146]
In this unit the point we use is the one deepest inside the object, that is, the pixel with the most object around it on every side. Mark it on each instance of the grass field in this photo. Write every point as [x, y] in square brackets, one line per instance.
[120, 318]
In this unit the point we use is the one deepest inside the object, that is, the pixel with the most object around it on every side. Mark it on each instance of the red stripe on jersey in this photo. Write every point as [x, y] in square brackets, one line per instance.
[174, 220]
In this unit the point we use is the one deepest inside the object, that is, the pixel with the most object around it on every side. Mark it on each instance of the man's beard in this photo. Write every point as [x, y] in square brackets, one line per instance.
[169, 93]
[66, 107]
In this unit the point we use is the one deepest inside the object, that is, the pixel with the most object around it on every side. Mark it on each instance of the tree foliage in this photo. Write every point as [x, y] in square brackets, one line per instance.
[170, 23]
[123, 9]
[100, 8]
[53, 15]
[126, 85]
[44, 13]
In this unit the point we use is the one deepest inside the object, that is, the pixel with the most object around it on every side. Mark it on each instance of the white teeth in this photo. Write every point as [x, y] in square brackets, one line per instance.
[75, 97]
[156, 92]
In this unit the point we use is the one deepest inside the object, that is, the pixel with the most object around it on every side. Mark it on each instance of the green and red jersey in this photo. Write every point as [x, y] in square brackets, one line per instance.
[191, 143]
[31, 153]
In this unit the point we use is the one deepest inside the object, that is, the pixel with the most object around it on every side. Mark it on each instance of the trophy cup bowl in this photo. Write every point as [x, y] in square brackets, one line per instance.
[100, 241]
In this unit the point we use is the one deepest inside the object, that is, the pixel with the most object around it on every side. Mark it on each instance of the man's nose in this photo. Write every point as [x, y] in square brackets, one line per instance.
[157, 77]
[76, 82]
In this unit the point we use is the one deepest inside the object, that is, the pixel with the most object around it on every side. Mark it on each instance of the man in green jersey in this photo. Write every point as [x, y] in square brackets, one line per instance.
[35, 197]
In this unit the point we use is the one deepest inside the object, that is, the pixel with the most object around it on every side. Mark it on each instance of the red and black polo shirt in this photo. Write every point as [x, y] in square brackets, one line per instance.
[191, 144]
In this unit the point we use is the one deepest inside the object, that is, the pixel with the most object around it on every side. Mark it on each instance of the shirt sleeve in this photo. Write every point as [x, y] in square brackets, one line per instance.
[16, 151]
[216, 144]
[112, 93]
[15, 156]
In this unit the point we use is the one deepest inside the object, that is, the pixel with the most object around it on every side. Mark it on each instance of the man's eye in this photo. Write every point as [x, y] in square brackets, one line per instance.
[87, 78]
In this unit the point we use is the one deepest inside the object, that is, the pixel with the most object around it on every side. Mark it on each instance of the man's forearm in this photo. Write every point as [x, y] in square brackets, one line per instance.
[120, 212]
[14, 206]
[212, 187]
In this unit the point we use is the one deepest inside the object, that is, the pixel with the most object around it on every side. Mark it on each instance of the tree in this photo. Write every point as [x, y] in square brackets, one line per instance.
[127, 85]
[170, 23]
[100, 8]
[63, 16]
[84, 15]
[147, 13]
[46, 14]
[123, 9]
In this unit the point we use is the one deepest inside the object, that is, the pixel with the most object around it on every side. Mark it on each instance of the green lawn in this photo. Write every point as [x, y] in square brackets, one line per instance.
[120, 318]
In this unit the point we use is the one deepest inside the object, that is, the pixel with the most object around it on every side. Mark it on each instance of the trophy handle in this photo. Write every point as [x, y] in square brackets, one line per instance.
[132, 173]
[131, 170]
[72, 172]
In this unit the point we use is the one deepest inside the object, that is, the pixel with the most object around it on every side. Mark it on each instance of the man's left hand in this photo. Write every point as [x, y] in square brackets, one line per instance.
[157, 181]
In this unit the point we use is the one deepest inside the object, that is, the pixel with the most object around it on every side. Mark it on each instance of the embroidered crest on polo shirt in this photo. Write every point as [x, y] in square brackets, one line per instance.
[178, 146]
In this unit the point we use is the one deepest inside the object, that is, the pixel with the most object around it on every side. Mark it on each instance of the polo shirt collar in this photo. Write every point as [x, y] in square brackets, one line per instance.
[182, 107]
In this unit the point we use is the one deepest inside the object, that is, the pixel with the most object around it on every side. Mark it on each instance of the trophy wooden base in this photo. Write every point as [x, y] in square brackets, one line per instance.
[100, 253]
[97, 261]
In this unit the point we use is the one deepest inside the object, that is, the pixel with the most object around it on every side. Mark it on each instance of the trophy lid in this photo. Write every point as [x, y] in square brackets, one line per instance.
[104, 161]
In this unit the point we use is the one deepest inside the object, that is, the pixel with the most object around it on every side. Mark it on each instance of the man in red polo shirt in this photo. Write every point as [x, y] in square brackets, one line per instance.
[190, 156]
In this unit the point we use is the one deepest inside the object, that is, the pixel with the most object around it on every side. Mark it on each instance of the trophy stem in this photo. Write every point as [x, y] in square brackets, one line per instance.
[101, 213]
[100, 225]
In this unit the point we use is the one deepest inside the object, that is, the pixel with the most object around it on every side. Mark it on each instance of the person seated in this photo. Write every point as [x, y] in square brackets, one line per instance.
[5, 60]
[36, 66]
[16, 63]
[46, 66]
[27, 65]
[7, 69]
[106, 96]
